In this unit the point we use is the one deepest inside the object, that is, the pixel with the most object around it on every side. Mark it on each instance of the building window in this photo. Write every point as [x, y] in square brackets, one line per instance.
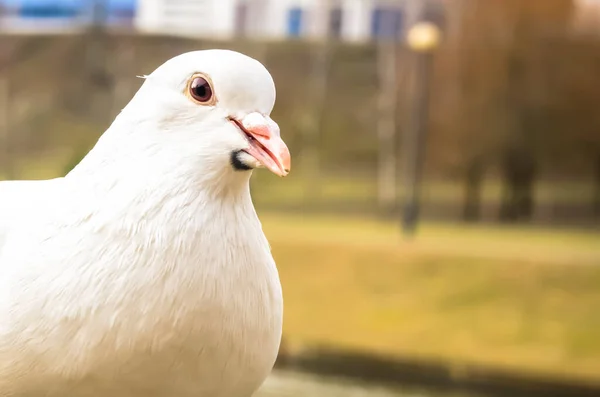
[295, 22]
[386, 22]
[48, 9]
[108, 10]
[335, 22]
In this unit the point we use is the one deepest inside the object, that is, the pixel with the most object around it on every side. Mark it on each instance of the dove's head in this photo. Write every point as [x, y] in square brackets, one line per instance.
[211, 110]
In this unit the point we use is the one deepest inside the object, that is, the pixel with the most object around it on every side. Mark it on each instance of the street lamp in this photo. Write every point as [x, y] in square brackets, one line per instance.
[423, 39]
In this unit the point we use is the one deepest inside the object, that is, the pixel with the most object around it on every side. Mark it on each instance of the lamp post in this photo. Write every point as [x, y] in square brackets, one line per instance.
[423, 39]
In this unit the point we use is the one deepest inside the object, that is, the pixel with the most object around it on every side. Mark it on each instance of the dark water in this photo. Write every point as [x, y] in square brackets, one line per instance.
[292, 384]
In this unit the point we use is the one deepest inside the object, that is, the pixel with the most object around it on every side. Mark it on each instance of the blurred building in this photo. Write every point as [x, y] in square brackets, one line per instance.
[350, 20]
[37, 16]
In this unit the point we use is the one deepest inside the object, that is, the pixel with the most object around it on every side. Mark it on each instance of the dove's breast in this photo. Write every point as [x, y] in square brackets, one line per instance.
[171, 311]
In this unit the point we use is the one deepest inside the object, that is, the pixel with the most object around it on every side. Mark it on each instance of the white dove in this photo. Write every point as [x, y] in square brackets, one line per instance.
[145, 270]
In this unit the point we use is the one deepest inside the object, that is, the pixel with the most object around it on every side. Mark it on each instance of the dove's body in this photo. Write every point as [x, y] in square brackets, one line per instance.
[148, 317]
[136, 274]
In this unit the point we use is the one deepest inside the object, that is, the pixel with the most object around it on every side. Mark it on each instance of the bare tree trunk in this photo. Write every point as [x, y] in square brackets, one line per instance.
[386, 123]
[312, 133]
[596, 199]
[125, 74]
[96, 55]
[5, 160]
[519, 166]
[519, 176]
[474, 179]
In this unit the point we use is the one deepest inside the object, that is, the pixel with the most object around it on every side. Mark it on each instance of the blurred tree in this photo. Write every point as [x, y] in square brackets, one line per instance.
[497, 93]
[573, 128]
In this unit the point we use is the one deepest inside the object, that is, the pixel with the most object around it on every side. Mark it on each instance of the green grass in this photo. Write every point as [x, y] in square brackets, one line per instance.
[357, 188]
[520, 298]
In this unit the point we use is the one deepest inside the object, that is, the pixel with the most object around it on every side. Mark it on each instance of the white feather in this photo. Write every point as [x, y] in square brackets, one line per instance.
[145, 271]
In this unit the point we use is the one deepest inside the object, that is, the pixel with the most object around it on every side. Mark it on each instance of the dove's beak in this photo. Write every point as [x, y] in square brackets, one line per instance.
[265, 143]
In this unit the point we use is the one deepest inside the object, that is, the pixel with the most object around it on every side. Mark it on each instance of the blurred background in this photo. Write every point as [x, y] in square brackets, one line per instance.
[440, 231]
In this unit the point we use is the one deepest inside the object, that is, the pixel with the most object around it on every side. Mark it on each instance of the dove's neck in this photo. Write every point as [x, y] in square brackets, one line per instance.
[133, 182]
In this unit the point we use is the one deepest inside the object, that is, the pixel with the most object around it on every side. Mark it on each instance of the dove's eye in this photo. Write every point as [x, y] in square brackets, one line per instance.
[200, 90]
